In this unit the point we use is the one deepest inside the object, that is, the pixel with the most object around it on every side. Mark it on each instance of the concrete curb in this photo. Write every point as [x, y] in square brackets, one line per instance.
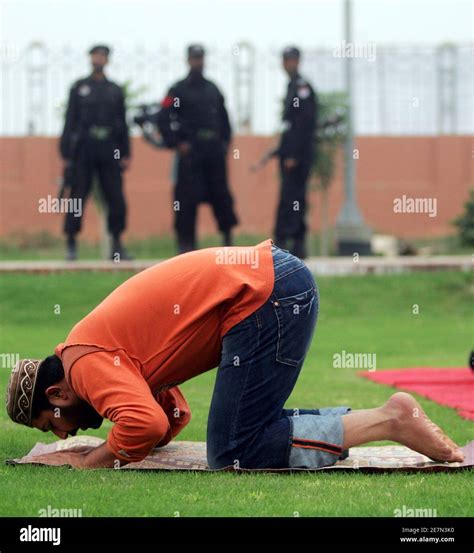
[322, 266]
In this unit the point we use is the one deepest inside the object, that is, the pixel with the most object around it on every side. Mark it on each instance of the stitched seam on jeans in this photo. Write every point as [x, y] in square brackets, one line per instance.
[291, 271]
[317, 444]
[279, 325]
[280, 262]
[258, 320]
[317, 449]
[301, 296]
[250, 364]
[280, 358]
[290, 440]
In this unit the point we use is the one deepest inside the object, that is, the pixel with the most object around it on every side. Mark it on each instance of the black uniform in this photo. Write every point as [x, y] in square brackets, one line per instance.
[297, 142]
[95, 139]
[193, 111]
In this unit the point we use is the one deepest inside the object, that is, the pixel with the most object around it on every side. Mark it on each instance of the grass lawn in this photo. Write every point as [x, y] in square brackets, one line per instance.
[358, 314]
[45, 246]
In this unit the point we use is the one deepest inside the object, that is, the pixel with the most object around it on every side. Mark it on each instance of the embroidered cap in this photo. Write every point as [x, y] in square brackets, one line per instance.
[21, 388]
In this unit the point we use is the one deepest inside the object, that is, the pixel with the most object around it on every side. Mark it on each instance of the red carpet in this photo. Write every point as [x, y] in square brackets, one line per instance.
[451, 387]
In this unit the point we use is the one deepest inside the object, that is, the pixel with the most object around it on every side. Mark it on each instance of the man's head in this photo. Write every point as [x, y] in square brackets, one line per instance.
[39, 396]
[196, 58]
[291, 60]
[99, 57]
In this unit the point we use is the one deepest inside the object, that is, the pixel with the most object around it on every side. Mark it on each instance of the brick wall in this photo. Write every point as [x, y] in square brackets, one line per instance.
[388, 167]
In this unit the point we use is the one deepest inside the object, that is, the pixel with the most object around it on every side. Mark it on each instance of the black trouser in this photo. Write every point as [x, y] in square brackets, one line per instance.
[202, 177]
[290, 221]
[96, 157]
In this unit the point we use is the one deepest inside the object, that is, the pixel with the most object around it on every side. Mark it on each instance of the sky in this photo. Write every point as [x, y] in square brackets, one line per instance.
[223, 22]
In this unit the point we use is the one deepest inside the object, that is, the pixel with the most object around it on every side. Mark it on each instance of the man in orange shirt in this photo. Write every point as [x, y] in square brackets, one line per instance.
[251, 311]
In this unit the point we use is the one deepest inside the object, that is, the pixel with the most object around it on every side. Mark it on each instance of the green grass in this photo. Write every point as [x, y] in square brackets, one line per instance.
[359, 314]
[45, 246]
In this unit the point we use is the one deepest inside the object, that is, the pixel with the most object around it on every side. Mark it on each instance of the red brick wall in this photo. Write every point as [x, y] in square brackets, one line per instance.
[388, 167]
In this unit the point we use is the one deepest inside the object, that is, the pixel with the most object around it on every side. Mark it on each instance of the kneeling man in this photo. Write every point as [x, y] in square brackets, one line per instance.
[251, 312]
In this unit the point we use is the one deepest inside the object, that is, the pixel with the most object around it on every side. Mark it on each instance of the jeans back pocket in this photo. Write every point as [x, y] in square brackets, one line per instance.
[296, 316]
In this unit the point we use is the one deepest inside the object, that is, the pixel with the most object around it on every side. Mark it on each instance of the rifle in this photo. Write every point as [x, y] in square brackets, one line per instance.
[148, 119]
[272, 152]
[65, 182]
[267, 156]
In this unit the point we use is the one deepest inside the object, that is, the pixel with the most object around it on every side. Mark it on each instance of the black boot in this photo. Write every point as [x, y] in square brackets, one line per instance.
[281, 242]
[186, 245]
[227, 239]
[119, 252]
[71, 248]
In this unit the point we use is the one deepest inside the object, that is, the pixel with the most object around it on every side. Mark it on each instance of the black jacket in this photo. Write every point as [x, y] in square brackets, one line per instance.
[94, 103]
[193, 106]
[300, 114]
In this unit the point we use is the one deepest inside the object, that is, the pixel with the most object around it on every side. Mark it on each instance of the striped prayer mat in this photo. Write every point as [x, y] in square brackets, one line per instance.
[191, 456]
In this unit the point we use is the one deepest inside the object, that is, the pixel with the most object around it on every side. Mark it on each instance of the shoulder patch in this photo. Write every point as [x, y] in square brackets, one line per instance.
[167, 101]
[84, 90]
[303, 91]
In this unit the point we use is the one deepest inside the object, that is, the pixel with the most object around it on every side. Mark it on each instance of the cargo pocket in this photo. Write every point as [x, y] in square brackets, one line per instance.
[296, 317]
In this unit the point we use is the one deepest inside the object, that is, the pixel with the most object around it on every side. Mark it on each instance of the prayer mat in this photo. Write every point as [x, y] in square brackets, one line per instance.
[191, 456]
[450, 387]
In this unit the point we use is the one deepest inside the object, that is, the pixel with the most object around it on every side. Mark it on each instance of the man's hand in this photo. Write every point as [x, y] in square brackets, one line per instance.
[184, 148]
[101, 457]
[82, 458]
[58, 458]
[125, 163]
[290, 163]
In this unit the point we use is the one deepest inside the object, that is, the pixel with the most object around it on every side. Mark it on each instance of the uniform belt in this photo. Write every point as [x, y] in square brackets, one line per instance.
[100, 133]
[205, 134]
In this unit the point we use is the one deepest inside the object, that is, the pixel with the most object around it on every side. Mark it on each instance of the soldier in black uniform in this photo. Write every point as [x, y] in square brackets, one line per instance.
[95, 141]
[295, 153]
[194, 120]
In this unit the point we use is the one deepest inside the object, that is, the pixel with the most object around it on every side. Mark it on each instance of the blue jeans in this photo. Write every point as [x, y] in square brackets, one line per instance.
[261, 359]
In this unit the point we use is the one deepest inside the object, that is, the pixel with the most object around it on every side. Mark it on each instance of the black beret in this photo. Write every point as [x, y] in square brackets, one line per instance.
[195, 51]
[291, 52]
[100, 48]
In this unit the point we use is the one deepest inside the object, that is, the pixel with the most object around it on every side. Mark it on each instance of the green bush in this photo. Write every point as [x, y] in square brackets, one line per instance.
[465, 222]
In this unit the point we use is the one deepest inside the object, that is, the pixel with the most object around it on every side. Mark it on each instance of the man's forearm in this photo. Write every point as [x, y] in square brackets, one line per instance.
[101, 457]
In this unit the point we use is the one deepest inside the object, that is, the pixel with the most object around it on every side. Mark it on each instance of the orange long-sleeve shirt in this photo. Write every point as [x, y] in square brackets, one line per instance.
[162, 327]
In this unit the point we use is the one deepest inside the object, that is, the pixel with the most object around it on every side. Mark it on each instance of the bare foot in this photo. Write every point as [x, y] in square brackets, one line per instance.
[415, 430]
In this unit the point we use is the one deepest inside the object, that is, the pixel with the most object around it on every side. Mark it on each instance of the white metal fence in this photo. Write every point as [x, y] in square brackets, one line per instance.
[398, 89]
